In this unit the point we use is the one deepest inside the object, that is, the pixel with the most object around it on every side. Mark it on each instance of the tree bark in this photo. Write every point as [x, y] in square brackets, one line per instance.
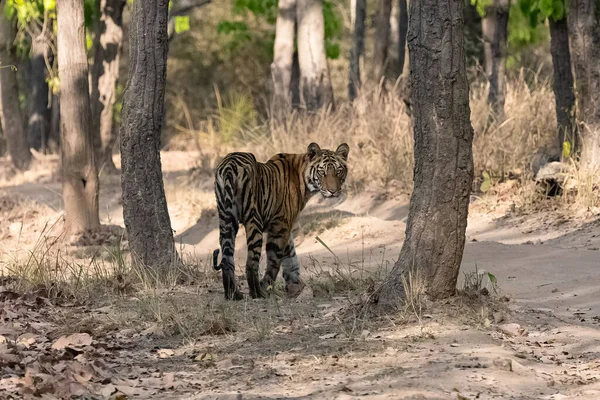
[584, 38]
[80, 176]
[144, 203]
[283, 56]
[39, 114]
[402, 31]
[358, 46]
[488, 23]
[10, 111]
[563, 81]
[496, 96]
[382, 40]
[443, 172]
[315, 83]
[105, 72]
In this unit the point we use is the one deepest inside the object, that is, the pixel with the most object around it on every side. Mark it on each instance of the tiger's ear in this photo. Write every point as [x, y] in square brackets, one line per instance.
[313, 150]
[343, 150]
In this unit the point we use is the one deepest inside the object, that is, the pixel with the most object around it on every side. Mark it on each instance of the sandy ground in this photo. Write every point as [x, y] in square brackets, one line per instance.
[548, 269]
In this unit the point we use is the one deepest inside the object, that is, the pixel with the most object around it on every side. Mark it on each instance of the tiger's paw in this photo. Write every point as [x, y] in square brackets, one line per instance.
[293, 290]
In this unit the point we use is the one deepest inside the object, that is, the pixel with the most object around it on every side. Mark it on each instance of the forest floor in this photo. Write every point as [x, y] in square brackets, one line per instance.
[535, 336]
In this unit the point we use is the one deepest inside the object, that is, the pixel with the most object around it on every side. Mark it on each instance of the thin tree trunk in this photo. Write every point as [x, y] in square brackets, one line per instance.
[295, 82]
[402, 31]
[584, 39]
[488, 23]
[497, 93]
[315, 83]
[283, 56]
[358, 46]
[39, 114]
[105, 72]
[382, 39]
[10, 111]
[443, 173]
[563, 81]
[80, 176]
[54, 140]
[144, 204]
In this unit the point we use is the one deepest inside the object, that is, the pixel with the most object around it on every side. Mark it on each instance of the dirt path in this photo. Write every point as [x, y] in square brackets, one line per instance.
[550, 273]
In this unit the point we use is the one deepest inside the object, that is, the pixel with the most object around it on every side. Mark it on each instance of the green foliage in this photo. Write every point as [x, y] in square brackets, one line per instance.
[182, 23]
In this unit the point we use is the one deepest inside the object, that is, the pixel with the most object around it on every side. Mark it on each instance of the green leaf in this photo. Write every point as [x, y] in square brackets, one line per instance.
[332, 50]
[492, 278]
[182, 23]
[49, 5]
[566, 149]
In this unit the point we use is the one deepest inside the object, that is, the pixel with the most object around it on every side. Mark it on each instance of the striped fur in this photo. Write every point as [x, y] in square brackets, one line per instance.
[267, 198]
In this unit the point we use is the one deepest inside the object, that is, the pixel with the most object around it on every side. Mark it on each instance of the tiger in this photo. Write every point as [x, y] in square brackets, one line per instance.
[267, 198]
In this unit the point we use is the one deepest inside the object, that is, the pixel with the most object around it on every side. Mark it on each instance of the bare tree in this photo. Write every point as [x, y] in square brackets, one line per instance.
[382, 39]
[80, 176]
[10, 111]
[144, 203]
[359, 11]
[283, 56]
[108, 42]
[315, 83]
[563, 80]
[498, 48]
[443, 173]
[584, 38]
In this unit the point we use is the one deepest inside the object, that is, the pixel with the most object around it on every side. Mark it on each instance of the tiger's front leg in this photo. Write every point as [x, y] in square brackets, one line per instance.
[281, 251]
[291, 270]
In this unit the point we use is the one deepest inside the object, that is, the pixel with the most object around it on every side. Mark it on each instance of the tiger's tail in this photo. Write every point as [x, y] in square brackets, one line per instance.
[216, 265]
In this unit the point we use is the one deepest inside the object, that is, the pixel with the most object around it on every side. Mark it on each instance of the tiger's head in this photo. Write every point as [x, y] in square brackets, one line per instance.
[327, 170]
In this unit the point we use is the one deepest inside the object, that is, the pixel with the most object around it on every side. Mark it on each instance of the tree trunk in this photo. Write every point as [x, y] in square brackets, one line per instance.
[10, 111]
[358, 46]
[39, 114]
[487, 30]
[295, 82]
[54, 140]
[315, 83]
[80, 176]
[402, 31]
[144, 203]
[443, 172]
[283, 56]
[584, 38]
[563, 81]
[496, 96]
[105, 72]
[382, 40]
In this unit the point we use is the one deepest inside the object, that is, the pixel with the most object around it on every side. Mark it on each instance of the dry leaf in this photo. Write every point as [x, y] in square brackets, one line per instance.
[328, 336]
[75, 341]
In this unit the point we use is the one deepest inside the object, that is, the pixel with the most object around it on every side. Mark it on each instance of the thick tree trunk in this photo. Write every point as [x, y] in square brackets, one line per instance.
[443, 173]
[10, 111]
[105, 72]
[315, 83]
[496, 96]
[283, 56]
[80, 176]
[563, 81]
[382, 39]
[295, 82]
[144, 203]
[402, 31]
[584, 38]
[39, 114]
[358, 46]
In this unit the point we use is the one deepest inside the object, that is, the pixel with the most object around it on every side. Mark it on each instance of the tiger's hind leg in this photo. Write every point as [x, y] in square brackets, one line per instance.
[254, 239]
[276, 242]
[291, 270]
[228, 229]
